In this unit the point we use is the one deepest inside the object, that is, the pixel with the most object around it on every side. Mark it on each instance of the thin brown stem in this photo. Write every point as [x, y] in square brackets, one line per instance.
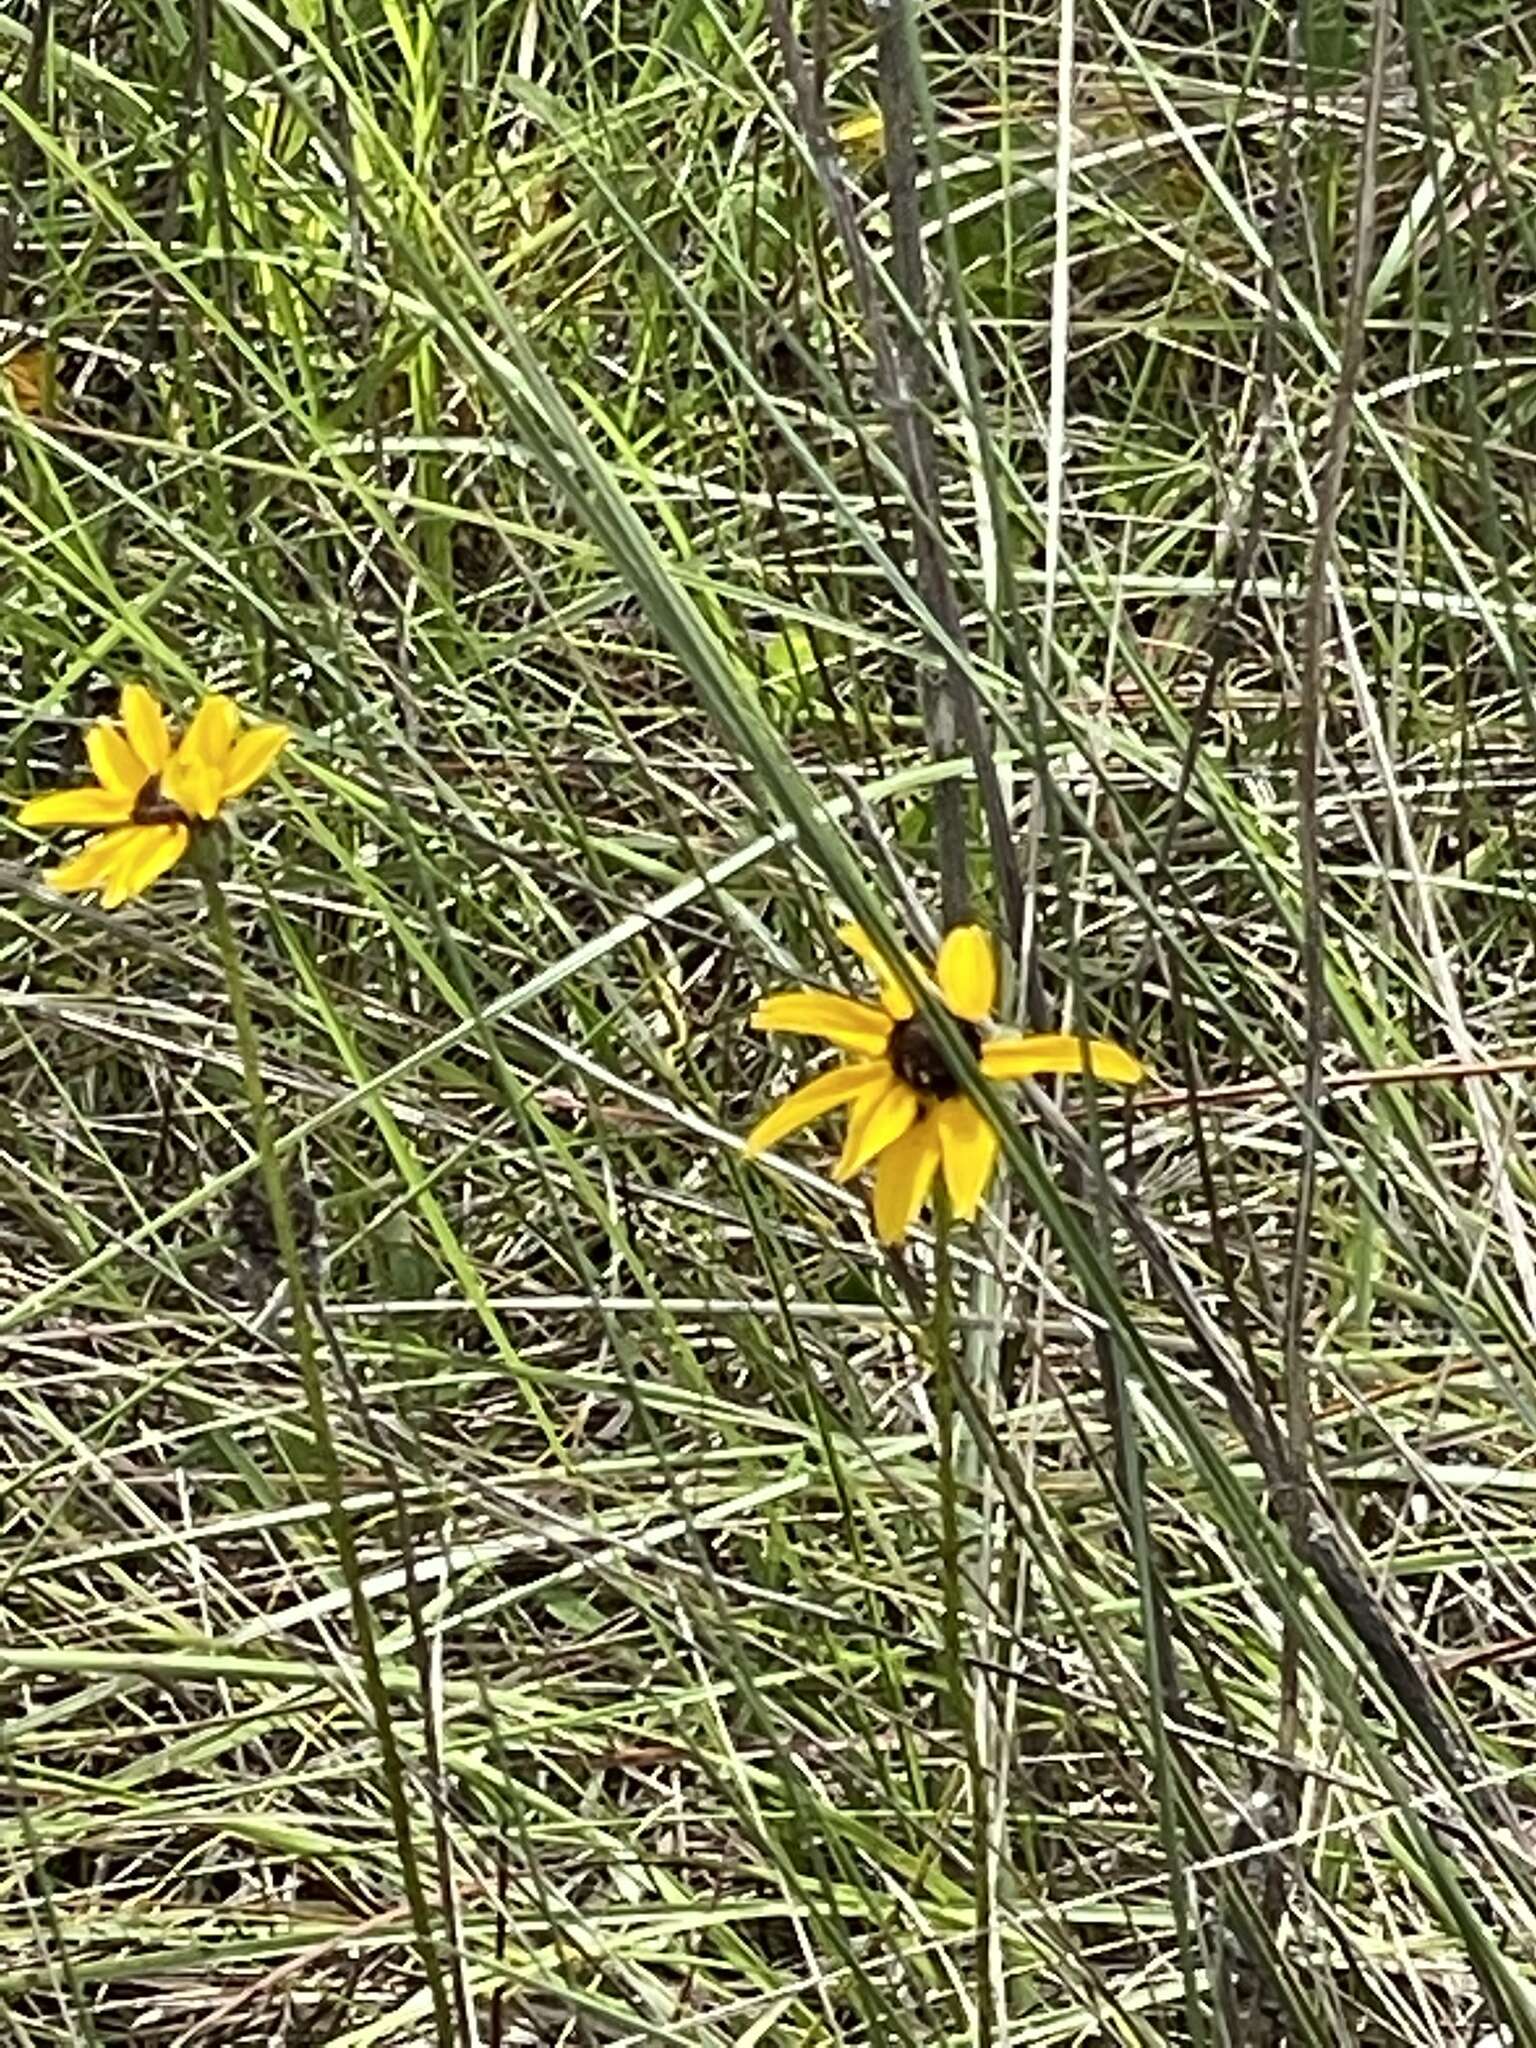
[1319, 1540]
[1239, 1094]
[291, 1259]
[954, 720]
[1311, 722]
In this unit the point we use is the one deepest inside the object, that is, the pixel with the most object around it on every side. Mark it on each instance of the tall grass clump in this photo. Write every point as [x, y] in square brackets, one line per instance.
[483, 1559]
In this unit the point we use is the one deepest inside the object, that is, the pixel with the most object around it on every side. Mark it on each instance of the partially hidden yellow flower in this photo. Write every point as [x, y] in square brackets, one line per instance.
[862, 133]
[906, 1111]
[153, 792]
[29, 379]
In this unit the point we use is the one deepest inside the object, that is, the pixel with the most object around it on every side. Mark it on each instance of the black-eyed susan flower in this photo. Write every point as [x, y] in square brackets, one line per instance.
[153, 792]
[906, 1111]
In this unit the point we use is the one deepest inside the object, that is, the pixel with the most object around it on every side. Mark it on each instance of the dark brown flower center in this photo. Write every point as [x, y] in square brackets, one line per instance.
[151, 808]
[917, 1058]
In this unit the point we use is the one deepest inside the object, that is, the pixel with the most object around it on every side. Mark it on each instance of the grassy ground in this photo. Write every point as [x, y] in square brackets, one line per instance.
[625, 1605]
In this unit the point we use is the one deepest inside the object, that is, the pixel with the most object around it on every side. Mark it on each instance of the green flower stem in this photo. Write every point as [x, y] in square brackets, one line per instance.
[206, 856]
[961, 1566]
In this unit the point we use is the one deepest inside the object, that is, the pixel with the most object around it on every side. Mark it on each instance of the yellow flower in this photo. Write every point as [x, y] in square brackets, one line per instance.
[153, 794]
[905, 1108]
[863, 133]
[29, 378]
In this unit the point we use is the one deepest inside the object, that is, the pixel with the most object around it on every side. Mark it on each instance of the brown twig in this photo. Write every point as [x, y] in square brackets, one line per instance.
[24, 150]
[1310, 724]
[952, 711]
[1318, 1539]
[1238, 1094]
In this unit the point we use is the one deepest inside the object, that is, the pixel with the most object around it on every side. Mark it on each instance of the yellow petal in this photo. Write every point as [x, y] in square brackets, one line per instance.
[90, 806]
[814, 1099]
[251, 756]
[196, 785]
[863, 132]
[859, 1027]
[967, 972]
[1010, 1058]
[898, 1003]
[968, 1147]
[144, 723]
[878, 1119]
[96, 859]
[154, 848]
[115, 764]
[902, 1180]
[208, 739]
